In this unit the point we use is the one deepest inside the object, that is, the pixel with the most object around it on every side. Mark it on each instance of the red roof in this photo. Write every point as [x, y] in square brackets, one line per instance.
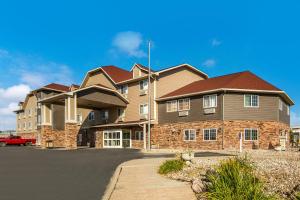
[117, 74]
[55, 86]
[145, 68]
[242, 80]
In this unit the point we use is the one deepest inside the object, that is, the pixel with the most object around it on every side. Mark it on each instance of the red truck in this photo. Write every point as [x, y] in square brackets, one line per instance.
[16, 140]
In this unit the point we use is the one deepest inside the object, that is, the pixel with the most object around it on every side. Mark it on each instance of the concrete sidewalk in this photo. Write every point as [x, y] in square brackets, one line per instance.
[138, 179]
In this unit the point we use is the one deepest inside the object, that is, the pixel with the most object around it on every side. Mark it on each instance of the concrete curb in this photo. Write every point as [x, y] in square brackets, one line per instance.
[112, 183]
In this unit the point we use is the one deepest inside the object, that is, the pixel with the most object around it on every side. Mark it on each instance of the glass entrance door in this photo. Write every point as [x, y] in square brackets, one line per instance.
[112, 139]
[126, 136]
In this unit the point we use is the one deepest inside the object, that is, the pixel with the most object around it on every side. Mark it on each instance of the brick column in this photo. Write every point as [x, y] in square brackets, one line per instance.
[71, 132]
[98, 139]
[46, 134]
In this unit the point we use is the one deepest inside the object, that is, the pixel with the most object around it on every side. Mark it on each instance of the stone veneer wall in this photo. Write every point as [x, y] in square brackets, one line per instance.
[170, 135]
[99, 138]
[57, 136]
[71, 132]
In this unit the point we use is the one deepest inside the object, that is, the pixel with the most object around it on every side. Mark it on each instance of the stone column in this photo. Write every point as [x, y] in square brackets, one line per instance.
[71, 132]
[46, 124]
[71, 128]
[98, 139]
[46, 134]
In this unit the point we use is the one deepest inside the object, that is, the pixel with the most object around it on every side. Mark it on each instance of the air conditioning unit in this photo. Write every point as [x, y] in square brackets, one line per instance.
[143, 116]
[143, 92]
[209, 110]
[183, 113]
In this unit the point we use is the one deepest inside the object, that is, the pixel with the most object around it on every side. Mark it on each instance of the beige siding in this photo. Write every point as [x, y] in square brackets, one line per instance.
[234, 108]
[26, 117]
[98, 78]
[134, 98]
[175, 79]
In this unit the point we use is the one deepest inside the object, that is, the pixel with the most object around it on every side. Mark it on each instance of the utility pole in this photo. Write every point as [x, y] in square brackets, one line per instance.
[149, 96]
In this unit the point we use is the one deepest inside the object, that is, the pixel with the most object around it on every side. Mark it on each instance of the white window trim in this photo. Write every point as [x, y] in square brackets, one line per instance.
[288, 112]
[209, 133]
[209, 97]
[139, 133]
[189, 135]
[105, 116]
[174, 101]
[184, 100]
[280, 104]
[251, 101]
[145, 80]
[143, 104]
[251, 133]
[120, 90]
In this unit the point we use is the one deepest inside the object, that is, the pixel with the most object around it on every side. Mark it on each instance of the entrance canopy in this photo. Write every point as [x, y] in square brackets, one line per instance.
[95, 96]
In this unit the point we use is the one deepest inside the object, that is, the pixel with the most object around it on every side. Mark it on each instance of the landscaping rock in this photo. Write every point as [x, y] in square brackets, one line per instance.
[198, 186]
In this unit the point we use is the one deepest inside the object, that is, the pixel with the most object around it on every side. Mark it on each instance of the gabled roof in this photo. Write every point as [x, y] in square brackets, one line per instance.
[142, 67]
[55, 86]
[117, 74]
[242, 81]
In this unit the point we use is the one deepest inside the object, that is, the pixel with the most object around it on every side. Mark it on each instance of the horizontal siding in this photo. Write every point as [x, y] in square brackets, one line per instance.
[196, 112]
[235, 110]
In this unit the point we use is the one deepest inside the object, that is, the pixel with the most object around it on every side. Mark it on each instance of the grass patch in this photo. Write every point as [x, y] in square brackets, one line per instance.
[235, 179]
[171, 166]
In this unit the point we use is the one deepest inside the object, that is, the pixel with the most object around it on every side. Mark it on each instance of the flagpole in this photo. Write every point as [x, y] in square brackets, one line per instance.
[149, 96]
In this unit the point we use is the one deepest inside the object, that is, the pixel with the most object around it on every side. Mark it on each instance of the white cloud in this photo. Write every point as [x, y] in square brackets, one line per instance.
[14, 93]
[22, 73]
[215, 42]
[209, 63]
[295, 119]
[130, 43]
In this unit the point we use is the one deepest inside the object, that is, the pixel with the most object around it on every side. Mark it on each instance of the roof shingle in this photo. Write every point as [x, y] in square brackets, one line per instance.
[242, 80]
[117, 74]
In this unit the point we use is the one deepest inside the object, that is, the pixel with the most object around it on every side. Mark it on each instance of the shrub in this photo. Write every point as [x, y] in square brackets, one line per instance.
[171, 166]
[235, 179]
[298, 195]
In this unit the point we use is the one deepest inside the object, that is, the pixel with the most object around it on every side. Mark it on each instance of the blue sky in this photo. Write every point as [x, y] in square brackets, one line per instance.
[55, 41]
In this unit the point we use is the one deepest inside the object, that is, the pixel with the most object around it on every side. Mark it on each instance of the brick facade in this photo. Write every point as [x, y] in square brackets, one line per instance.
[171, 135]
[56, 136]
[71, 132]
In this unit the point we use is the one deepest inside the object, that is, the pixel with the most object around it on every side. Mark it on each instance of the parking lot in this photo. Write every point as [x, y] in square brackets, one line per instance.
[34, 174]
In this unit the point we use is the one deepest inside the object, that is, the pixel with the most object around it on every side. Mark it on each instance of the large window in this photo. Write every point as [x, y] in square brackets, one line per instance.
[210, 134]
[91, 116]
[104, 114]
[123, 89]
[288, 109]
[251, 134]
[251, 100]
[183, 104]
[172, 106]
[210, 101]
[143, 109]
[144, 84]
[189, 135]
[280, 105]
[139, 135]
[112, 139]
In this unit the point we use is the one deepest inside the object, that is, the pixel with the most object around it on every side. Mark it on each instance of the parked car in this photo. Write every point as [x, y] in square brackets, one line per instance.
[16, 140]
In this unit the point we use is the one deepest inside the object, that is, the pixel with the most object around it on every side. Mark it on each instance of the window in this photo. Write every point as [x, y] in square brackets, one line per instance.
[210, 134]
[251, 100]
[24, 126]
[183, 104]
[139, 135]
[39, 119]
[91, 116]
[172, 106]
[29, 125]
[210, 101]
[251, 134]
[143, 109]
[280, 104]
[29, 112]
[121, 112]
[288, 109]
[79, 118]
[189, 135]
[123, 89]
[144, 84]
[104, 114]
